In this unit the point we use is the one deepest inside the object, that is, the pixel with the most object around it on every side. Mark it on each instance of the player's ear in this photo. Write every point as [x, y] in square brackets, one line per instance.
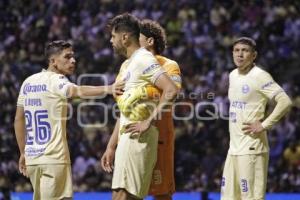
[254, 55]
[125, 39]
[124, 36]
[150, 41]
[52, 61]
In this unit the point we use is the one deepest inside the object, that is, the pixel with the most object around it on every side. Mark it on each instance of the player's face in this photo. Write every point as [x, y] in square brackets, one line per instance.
[65, 62]
[243, 55]
[117, 43]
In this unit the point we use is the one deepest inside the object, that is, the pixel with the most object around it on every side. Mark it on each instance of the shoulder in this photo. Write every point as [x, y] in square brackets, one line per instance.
[58, 77]
[55, 80]
[125, 63]
[168, 64]
[143, 52]
[258, 71]
[260, 74]
[33, 78]
[171, 63]
[233, 73]
[144, 59]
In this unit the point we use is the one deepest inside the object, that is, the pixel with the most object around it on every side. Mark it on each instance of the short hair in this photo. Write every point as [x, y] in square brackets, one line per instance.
[247, 41]
[56, 47]
[151, 28]
[127, 23]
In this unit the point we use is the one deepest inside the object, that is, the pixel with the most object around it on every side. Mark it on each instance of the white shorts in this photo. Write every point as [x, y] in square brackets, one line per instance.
[134, 162]
[50, 182]
[245, 177]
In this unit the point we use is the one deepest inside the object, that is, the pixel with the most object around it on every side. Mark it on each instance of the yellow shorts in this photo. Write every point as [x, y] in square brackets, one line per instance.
[50, 182]
[245, 177]
[134, 162]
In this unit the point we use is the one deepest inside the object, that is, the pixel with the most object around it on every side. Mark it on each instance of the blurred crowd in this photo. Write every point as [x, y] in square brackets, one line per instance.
[200, 34]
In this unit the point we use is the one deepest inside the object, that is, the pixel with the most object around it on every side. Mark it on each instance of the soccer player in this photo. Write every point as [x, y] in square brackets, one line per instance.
[250, 89]
[153, 38]
[40, 122]
[136, 152]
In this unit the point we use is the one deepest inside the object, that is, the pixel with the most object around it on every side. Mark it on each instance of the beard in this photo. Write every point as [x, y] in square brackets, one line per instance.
[120, 50]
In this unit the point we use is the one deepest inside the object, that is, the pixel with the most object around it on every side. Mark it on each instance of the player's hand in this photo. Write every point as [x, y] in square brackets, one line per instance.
[22, 166]
[253, 128]
[116, 89]
[136, 129]
[107, 160]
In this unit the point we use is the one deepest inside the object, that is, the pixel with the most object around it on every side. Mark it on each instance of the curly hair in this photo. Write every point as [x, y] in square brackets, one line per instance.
[150, 28]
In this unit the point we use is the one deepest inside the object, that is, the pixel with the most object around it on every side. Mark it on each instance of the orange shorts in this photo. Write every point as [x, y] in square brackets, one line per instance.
[163, 181]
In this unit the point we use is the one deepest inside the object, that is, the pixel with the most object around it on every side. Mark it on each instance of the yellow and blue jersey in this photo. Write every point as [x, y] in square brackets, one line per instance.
[44, 99]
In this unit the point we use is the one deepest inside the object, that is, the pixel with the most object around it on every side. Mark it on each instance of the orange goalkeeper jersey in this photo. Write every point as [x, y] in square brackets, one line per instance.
[163, 181]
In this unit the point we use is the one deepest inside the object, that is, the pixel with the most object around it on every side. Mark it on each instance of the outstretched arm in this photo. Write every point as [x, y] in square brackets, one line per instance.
[84, 91]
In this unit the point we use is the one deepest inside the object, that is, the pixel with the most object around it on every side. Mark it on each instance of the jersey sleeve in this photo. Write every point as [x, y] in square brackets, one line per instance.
[151, 69]
[59, 85]
[267, 86]
[174, 73]
[21, 97]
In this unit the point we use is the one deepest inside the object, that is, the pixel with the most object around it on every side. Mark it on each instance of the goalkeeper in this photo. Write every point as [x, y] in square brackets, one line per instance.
[135, 157]
[153, 38]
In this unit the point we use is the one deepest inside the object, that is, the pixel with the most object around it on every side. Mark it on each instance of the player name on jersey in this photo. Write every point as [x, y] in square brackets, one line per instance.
[33, 102]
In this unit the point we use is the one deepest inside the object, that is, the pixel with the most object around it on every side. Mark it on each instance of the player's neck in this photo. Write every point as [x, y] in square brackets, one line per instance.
[131, 49]
[245, 70]
[52, 68]
[153, 51]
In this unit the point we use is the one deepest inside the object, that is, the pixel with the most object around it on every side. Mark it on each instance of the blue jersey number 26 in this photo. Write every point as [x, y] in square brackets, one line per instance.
[42, 131]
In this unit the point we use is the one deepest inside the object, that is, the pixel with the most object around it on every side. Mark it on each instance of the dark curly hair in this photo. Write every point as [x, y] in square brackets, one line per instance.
[150, 28]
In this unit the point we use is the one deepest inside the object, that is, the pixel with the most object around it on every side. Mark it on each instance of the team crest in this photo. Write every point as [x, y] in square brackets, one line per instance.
[245, 89]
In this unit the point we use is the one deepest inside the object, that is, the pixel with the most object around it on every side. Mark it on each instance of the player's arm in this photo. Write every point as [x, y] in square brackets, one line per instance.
[19, 125]
[83, 91]
[107, 160]
[283, 105]
[169, 91]
[174, 73]
[271, 90]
